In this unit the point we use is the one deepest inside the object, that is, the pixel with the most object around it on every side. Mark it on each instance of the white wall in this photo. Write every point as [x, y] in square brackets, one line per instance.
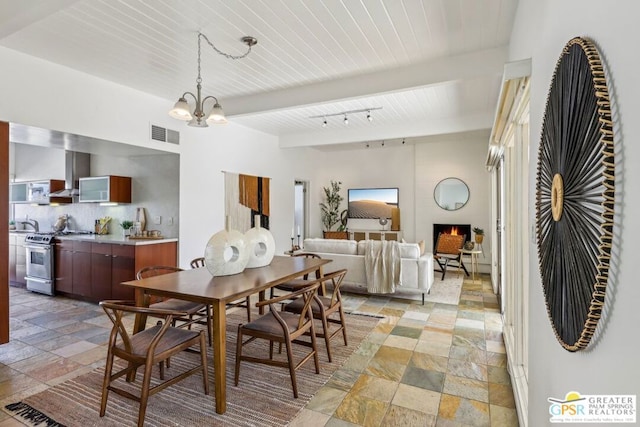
[461, 156]
[376, 166]
[610, 366]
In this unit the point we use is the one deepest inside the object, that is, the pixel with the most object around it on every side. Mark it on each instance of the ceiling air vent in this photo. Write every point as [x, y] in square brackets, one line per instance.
[165, 135]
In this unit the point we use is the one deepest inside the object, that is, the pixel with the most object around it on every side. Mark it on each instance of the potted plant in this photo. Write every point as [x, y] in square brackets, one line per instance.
[479, 234]
[126, 227]
[12, 225]
[330, 211]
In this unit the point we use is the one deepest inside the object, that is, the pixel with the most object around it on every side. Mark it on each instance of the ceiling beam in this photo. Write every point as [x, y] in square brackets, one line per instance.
[481, 120]
[17, 15]
[486, 62]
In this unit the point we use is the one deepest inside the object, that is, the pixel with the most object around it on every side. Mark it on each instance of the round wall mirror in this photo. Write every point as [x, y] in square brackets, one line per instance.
[451, 194]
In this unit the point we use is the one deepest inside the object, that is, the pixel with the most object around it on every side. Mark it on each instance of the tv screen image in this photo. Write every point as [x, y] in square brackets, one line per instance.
[371, 202]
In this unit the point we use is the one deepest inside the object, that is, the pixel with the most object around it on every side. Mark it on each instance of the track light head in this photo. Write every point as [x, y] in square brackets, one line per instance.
[346, 120]
[369, 116]
[324, 123]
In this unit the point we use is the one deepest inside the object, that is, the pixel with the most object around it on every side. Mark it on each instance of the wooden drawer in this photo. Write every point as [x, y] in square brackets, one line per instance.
[101, 248]
[123, 250]
[79, 246]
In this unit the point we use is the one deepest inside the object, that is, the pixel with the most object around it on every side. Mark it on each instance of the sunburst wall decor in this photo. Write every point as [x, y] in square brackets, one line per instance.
[575, 194]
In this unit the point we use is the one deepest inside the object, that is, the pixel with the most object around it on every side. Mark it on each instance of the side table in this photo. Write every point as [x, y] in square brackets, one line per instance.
[473, 255]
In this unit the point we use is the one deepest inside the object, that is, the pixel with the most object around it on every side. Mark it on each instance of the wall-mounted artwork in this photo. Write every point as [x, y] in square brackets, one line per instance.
[372, 202]
[575, 194]
[246, 201]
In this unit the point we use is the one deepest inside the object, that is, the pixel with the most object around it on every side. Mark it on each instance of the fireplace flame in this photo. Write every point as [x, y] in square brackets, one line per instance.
[454, 231]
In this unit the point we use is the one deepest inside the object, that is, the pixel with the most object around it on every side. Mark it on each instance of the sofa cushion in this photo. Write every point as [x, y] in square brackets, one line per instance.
[407, 250]
[333, 246]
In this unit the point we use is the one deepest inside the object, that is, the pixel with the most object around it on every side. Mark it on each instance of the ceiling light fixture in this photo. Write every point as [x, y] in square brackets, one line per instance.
[344, 113]
[182, 111]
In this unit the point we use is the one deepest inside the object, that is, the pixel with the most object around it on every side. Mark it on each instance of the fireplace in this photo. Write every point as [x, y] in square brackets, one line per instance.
[451, 229]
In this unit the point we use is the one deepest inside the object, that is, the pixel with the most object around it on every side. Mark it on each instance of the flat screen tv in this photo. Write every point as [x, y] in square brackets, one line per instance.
[371, 202]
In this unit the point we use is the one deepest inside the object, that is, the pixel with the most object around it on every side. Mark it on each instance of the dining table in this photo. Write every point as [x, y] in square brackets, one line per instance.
[200, 285]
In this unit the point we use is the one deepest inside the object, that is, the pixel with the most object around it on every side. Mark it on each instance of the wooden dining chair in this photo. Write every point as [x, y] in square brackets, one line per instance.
[324, 308]
[284, 328]
[196, 312]
[244, 303]
[146, 348]
[294, 284]
[197, 262]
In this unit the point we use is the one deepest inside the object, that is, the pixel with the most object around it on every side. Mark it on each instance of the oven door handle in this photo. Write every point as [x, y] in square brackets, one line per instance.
[38, 247]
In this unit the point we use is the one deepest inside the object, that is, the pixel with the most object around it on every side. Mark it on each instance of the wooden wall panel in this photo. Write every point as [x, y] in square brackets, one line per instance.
[265, 196]
[4, 232]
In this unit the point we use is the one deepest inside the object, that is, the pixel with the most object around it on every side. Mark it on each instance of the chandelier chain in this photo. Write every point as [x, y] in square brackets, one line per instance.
[226, 55]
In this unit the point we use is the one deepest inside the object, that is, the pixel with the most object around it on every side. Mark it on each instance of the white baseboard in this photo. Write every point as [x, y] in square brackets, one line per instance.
[519, 382]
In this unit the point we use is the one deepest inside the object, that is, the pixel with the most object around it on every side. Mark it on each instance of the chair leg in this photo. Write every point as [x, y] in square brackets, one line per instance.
[314, 346]
[292, 368]
[249, 307]
[144, 394]
[106, 382]
[343, 323]
[238, 355]
[326, 334]
[209, 325]
[203, 361]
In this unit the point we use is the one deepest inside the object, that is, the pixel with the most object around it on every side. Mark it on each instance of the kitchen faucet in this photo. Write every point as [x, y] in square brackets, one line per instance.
[31, 222]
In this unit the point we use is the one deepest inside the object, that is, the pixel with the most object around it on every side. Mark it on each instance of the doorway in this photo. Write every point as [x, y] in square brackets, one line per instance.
[300, 211]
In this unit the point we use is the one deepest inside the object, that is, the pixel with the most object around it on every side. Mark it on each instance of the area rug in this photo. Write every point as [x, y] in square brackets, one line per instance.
[263, 397]
[445, 291]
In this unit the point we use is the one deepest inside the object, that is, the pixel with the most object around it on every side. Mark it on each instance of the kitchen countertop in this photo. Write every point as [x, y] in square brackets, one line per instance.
[106, 238]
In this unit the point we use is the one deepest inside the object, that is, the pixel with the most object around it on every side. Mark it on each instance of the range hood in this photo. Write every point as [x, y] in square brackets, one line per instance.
[77, 165]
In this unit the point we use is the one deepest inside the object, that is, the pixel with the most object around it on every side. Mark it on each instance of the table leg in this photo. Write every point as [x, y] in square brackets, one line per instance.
[219, 355]
[142, 300]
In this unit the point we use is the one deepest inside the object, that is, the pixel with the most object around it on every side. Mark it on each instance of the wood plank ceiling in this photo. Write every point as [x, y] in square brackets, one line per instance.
[434, 66]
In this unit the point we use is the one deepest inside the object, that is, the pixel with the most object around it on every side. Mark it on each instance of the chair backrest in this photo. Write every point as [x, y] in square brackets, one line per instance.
[116, 310]
[307, 293]
[449, 243]
[155, 270]
[197, 262]
[336, 278]
[307, 255]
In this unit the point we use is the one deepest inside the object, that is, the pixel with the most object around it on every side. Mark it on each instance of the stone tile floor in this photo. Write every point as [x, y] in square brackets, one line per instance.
[432, 365]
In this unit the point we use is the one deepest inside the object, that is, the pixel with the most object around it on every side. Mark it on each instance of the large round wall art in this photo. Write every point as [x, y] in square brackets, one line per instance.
[575, 194]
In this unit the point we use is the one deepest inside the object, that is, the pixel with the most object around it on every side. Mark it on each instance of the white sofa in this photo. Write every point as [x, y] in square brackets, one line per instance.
[416, 270]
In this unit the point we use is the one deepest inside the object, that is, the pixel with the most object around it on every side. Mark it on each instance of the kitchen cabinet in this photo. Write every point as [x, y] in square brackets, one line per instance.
[17, 260]
[37, 192]
[18, 192]
[81, 268]
[109, 189]
[93, 271]
[63, 266]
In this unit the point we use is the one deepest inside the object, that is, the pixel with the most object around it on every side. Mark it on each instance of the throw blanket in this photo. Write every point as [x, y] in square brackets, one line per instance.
[382, 266]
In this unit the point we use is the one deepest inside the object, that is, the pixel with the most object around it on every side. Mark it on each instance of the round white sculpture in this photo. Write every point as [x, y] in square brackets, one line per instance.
[226, 253]
[262, 246]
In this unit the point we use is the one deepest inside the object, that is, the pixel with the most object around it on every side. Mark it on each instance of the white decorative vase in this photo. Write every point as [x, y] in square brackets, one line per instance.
[226, 253]
[262, 246]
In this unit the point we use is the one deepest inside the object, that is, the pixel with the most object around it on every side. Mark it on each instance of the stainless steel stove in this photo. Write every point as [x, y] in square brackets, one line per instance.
[39, 247]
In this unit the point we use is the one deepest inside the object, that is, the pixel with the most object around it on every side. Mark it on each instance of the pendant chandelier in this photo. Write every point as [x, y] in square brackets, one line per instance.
[196, 116]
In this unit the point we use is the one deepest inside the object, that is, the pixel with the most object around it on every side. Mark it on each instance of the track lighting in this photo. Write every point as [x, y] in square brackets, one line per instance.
[345, 113]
